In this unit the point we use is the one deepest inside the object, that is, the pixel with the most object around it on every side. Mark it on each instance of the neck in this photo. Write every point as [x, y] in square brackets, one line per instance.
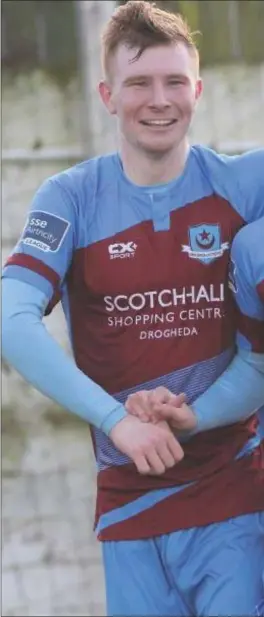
[144, 168]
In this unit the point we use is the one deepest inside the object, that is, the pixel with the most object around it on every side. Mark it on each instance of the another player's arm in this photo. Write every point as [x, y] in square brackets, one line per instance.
[234, 397]
[239, 391]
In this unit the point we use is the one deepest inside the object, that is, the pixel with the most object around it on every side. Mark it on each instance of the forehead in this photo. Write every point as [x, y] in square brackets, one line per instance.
[160, 60]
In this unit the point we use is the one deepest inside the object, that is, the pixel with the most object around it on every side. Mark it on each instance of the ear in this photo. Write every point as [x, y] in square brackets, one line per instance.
[106, 95]
[198, 88]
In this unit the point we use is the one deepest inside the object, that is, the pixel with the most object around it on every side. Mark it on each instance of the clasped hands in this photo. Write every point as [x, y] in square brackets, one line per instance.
[148, 434]
[161, 405]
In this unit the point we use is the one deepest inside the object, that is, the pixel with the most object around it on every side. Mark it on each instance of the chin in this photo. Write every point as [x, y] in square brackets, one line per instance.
[158, 147]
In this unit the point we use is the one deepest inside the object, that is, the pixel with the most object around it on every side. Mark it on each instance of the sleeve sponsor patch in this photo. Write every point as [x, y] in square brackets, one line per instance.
[45, 231]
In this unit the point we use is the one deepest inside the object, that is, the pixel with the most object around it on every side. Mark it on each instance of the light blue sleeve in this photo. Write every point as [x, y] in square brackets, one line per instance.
[248, 168]
[246, 270]
[34, 353]
[235, 395]
[238, 178]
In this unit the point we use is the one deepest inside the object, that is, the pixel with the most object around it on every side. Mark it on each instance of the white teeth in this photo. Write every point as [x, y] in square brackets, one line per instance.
[159, 122]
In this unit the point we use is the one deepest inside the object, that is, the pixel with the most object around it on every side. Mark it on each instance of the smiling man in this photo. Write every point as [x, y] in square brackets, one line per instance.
[136, 244]
[168, 75]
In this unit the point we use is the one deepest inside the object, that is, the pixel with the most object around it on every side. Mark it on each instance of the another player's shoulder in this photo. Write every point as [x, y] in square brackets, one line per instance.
[247, 163]
[247, 267]
[248, 243]
[237, 178]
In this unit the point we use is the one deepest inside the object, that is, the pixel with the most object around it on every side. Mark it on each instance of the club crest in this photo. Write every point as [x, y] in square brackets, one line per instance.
[205, 243]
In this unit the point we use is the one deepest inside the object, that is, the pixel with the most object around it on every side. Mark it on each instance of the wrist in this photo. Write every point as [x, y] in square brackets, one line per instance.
[113, 418]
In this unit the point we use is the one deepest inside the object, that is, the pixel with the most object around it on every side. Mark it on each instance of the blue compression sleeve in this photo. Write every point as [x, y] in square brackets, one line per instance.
[235, 395]
[34, 353]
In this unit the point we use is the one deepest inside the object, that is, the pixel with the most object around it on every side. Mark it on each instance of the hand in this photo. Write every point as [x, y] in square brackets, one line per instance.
[145, 404]
[152, 448]
[180, 418]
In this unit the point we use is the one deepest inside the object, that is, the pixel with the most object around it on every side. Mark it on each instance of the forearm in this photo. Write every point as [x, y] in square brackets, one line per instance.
[33, 352]
[235, 395]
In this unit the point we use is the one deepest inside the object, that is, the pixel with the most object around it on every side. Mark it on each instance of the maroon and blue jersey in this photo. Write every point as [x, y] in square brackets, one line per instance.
[142, 274]
[247, 283]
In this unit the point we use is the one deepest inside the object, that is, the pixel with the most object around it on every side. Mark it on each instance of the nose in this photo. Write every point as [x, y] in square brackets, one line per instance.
[158, 97]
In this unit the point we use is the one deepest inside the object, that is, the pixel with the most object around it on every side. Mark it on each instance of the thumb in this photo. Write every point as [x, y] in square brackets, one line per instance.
[168, 411]
[178, 399]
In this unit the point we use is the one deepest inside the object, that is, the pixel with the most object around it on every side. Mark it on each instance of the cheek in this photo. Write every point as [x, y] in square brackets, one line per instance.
[130, 104]
[127, 110]
[186, 102]
[126, 105]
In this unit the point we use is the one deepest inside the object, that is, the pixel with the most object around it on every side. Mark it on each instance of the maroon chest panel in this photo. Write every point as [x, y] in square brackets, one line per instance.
[145, 303]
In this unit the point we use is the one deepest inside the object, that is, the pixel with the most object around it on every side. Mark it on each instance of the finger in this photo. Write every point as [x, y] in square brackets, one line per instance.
[156, 464]
[136, 409]
[159, 395]
[182, 418]
[178, 399]
[140, 397]
[162, 395]
[138, 403]
[175, 448]
[166, 456]
[142, 465]
[168, 411]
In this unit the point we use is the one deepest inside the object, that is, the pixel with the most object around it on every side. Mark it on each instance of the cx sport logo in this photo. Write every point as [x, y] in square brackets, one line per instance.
[122, 250]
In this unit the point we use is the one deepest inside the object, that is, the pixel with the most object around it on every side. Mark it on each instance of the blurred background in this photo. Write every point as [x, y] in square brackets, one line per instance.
[52, 119]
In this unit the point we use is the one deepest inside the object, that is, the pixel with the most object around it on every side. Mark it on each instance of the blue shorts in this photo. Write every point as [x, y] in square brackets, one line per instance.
[216, 570]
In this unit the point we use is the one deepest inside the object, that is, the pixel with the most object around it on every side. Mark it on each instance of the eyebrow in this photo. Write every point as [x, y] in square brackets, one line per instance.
[142, 76]
[128, 80]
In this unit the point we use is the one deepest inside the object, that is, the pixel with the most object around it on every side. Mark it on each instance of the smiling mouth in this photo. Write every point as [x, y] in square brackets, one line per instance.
[162, 123]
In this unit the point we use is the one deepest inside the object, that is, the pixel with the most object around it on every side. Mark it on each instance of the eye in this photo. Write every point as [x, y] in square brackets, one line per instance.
[176, 82]
[138, 83]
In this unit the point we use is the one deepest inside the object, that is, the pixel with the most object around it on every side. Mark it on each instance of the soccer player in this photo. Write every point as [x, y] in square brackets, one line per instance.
[247, 284]
[136, 244]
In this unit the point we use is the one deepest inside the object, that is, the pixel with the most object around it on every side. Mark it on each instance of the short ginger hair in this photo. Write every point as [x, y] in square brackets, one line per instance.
[140, 25]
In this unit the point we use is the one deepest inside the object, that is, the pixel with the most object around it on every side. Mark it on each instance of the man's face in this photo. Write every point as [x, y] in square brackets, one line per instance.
[154, 97]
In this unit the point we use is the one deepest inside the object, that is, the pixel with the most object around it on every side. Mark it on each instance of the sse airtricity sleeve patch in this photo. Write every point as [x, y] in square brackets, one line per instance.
[45, 231]
[43, 253]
